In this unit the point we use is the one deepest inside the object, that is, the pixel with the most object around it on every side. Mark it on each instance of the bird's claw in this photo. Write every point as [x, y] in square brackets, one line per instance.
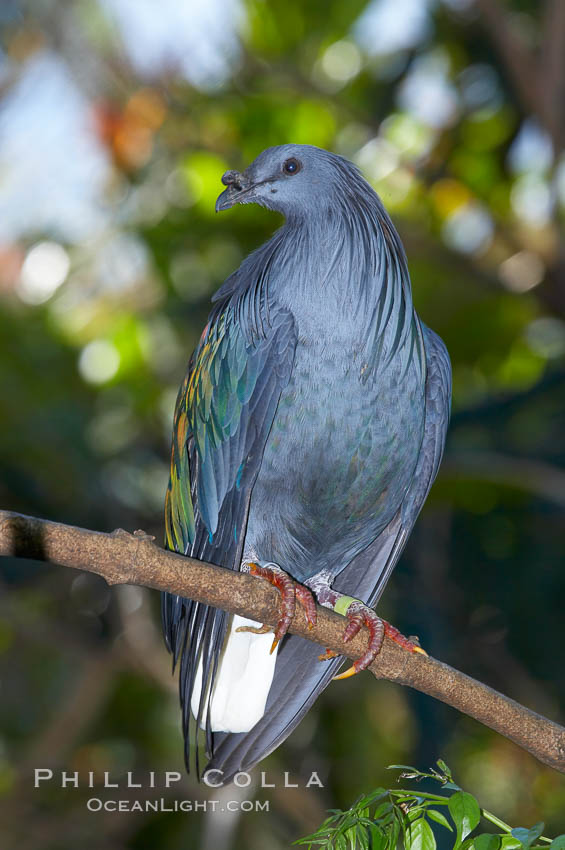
[256, 630]
[290, 592]
[329, 653]
[360, 615]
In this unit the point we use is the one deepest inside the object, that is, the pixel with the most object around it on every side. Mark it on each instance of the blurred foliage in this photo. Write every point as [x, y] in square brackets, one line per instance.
[117, 120]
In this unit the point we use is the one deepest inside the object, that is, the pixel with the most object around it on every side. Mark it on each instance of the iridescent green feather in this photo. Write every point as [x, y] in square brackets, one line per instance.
[220, 382]
[179, 511]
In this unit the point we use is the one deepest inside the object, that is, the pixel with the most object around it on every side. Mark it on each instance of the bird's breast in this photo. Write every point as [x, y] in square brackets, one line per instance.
[338, 460]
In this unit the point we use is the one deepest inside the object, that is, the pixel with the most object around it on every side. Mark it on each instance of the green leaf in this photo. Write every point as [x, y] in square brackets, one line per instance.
[465, 812]
[444, 768]
[420, 836]
[440, 818]
[415, 813]
[487, 841]
[351, 836]
[408, 772]
[378, 838]
[373, 797]
[382, 810]
[362, 837]
[526, 837]
[393, 832]
[558, 843]
[508, 842]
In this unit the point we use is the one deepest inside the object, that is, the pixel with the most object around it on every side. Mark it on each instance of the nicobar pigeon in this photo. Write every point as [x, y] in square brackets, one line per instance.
[307, 434]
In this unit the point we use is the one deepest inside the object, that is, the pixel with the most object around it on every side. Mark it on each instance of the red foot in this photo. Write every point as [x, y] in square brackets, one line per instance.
[290, 592]
[360, 615]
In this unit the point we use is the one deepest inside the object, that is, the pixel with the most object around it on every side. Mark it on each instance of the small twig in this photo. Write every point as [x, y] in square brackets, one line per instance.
[123, 558]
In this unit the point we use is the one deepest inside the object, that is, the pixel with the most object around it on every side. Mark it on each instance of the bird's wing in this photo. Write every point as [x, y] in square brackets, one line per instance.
[223, 415]
[367, 575]
[299, 677]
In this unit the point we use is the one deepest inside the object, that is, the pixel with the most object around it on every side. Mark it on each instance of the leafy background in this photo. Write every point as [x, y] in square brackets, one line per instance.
[116, 121]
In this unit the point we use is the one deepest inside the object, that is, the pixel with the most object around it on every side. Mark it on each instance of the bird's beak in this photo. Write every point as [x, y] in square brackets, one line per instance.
[226, 200]
[237, 186]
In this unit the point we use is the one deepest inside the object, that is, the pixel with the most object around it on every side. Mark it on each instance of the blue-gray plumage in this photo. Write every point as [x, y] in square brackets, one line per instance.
[308, 431]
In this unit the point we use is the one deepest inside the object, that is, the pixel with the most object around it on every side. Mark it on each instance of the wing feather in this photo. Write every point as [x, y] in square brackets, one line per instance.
[223, 415]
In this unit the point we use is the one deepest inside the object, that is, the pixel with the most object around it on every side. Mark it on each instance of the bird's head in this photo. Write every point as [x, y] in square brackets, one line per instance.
[291, 179]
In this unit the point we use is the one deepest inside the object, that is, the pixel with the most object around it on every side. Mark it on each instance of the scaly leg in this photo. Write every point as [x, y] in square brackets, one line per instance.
[290, 592]
[358, 615]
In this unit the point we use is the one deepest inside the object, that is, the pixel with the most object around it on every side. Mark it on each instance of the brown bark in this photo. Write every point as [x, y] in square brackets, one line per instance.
[123, 558]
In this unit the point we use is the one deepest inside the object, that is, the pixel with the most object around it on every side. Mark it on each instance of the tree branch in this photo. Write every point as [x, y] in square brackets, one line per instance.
[123, 558]
[553, 70]
[516, 57]
[537, 76]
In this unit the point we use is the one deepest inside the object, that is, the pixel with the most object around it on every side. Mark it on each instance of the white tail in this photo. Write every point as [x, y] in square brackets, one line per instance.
[243, 680]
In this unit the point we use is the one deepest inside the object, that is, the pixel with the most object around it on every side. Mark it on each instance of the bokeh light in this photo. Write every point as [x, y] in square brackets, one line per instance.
[117, 120]
[45, 268]
[99, 361]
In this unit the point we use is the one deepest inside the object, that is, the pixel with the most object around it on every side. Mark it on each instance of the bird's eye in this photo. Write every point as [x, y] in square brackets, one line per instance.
[291, 166]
